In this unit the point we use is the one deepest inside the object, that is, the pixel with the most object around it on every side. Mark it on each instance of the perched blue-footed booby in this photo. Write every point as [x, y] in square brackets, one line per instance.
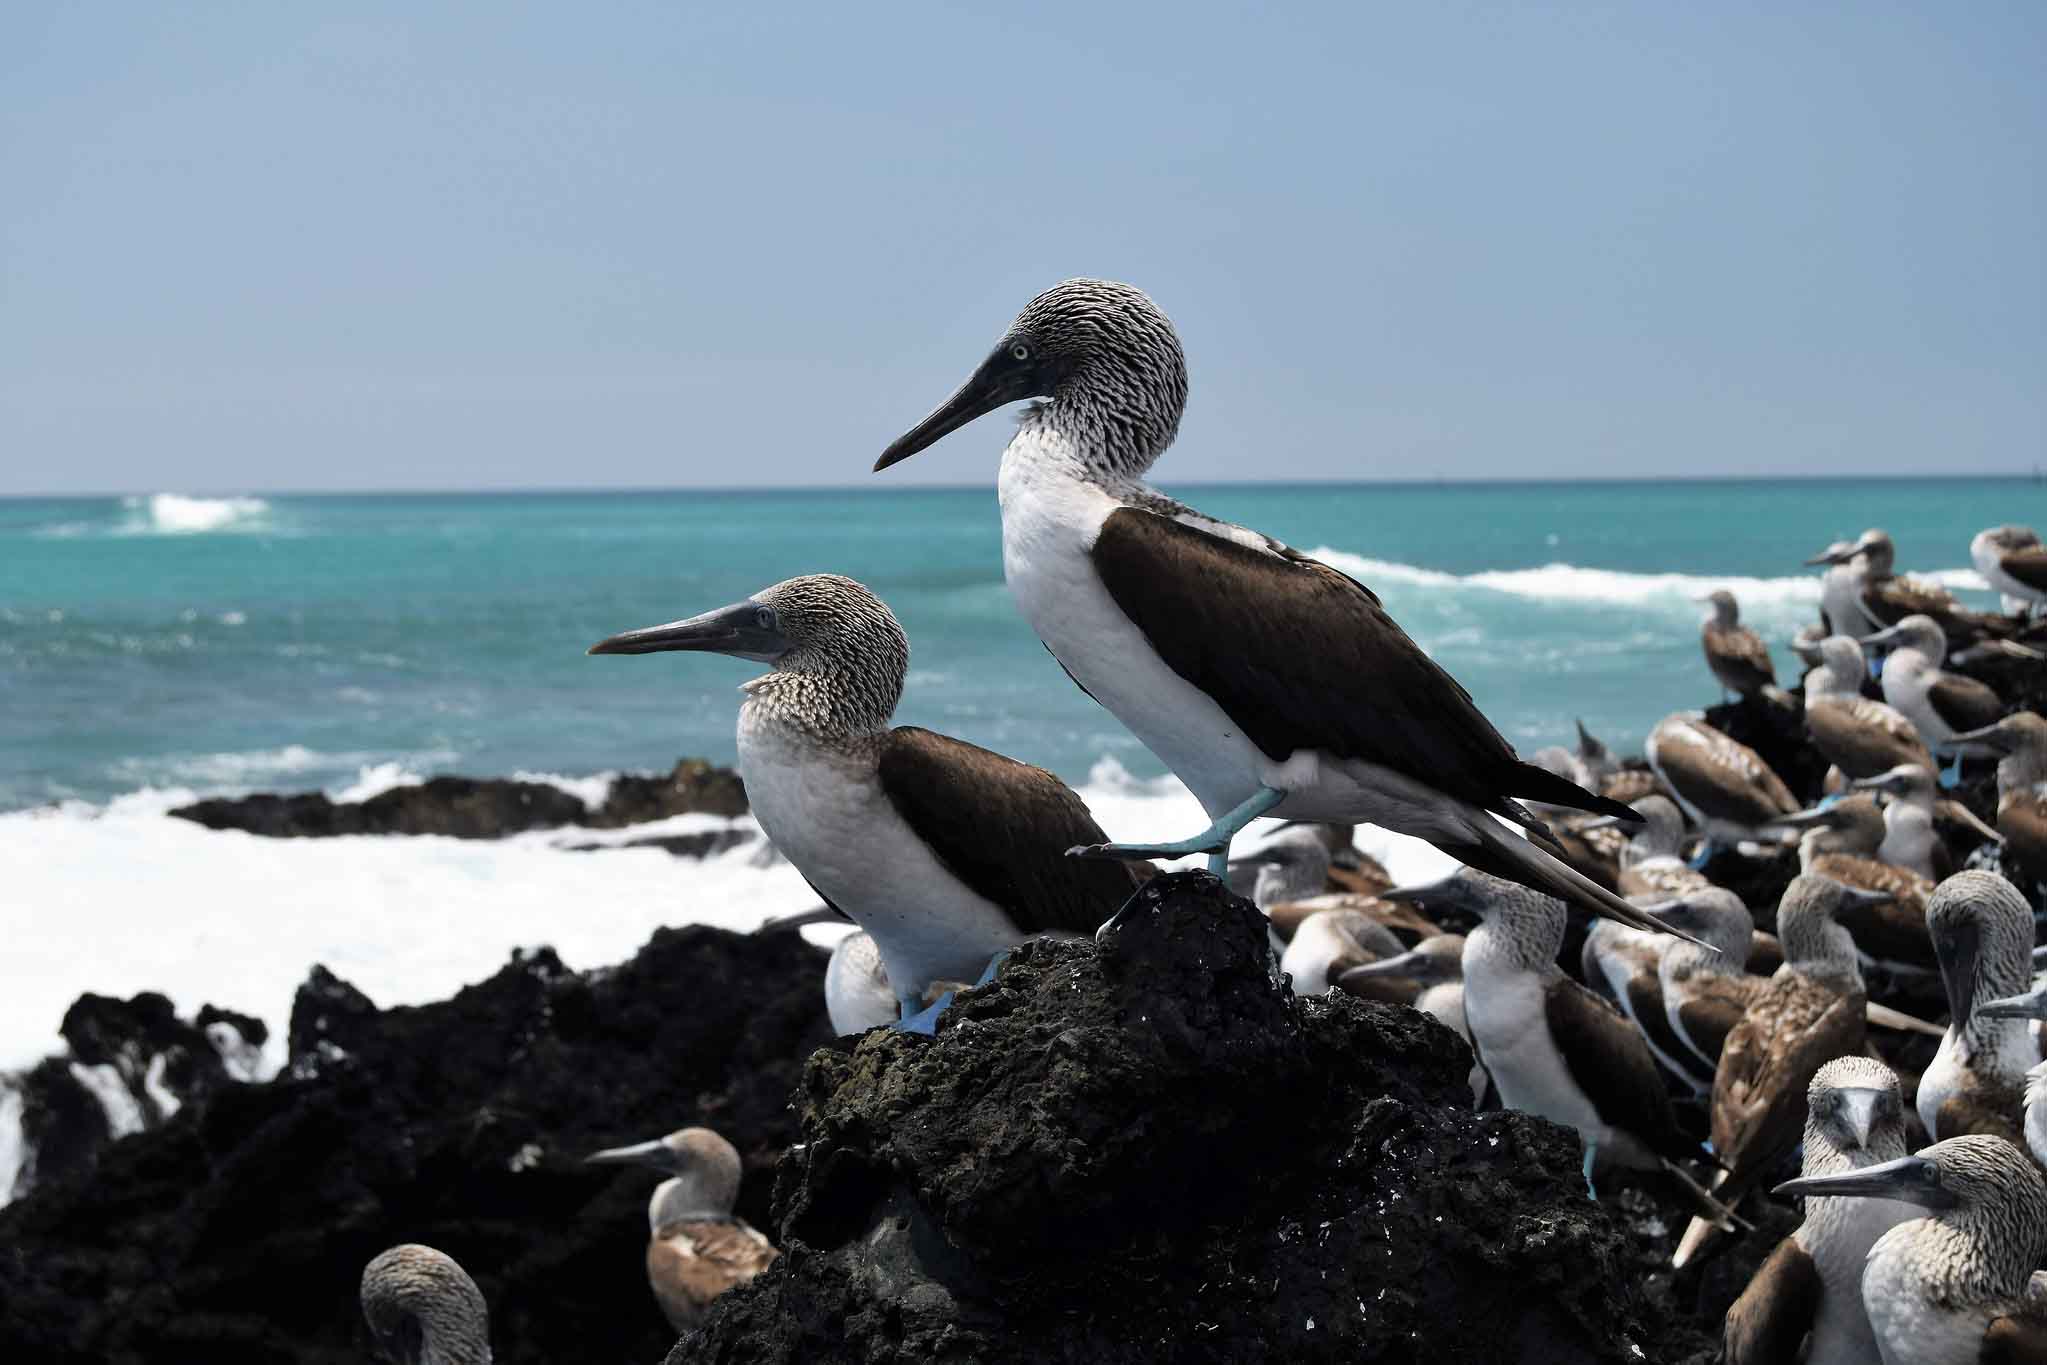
[1803, 1306]
[2014, 563]
[1436, 967]
[1705, 994]
[1327, 944]
[1841, 608]
[1651, 864]
[1810, 1012]
[1626, 966]
[857, 994]
[1939, 704]
[1739, 659]
[696, 1247]
[1553, 1047]
[1269, 682]
[1840, 842]
[1911, 796]
[946, 853]
[1887, 597]
[1983, 931]
[1722, 784]
[1951, 1288]
[1859, 735]
[2019, 742]
[423, 1309]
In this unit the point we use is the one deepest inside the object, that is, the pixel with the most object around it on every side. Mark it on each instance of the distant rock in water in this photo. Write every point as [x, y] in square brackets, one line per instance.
[1153, 1151]
[236, 1228]
[478, 808]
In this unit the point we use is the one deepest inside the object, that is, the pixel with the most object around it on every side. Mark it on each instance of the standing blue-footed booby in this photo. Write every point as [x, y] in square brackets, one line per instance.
[1270, 683]
[946, 853]
[2020, 743]
[2014, 563]
[1840, 843]
[1983, 931]
[1722, 784]
[696, 1247]
[423, 1309]
[1939, 704]
[1859, 735]
[1737, 656]
[1951, 1288]
[1803, 1306]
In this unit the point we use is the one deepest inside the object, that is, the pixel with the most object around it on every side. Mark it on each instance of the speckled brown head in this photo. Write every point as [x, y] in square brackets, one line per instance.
[423, 1309]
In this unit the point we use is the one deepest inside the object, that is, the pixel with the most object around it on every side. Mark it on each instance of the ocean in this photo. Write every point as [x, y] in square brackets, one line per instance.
[161, 647]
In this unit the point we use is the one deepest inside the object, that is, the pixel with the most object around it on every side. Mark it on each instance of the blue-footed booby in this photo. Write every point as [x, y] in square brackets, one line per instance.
[1626, 966]
[1436, 968]
[423, 1309]
[696, 1247]
[857, 995]
[1951, 1288]
[1859, 735]
[1939, 704]
[1651, 864]
[1704, 994]
[1887, 597]
[2020, 743]
[1803, 1306]
[1840, 842]
[1327, 944]
[1552, 1046]
[1810, 1013]
[1841, 609]
[2014, 563]
[1739, 659]
[1983, 931]
[946, 853]
[1269, 682]
[1722, 784]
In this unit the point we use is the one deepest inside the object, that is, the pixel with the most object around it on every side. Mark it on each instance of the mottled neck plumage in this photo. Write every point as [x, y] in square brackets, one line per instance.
[1117, 413]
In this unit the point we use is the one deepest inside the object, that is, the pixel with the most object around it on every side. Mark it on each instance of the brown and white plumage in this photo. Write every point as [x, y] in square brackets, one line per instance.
[1859, 735]
[1722, 784]
[423, 1309]
[1982, 930]
[1737, 656]
[1939, 704]
[1327, 944]
[1707, 990]
[2019, 741]
[2014, 563]
[1840, 841]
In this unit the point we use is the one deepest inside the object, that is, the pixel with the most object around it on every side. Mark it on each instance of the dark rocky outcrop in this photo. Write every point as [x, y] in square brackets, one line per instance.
[235, 1229]
[1153, 1152]
[478, 808]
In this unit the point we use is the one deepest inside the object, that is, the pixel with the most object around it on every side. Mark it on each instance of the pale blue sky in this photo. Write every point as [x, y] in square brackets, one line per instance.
[484, 245]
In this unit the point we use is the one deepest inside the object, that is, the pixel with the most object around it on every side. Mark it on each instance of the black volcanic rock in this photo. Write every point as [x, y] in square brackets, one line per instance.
[237, 1229]
[1154, 1152]
[477, 808]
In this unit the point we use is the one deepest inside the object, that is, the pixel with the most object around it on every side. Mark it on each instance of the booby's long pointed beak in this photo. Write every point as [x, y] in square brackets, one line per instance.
[1413, 962]
[2031, 1005]
[1002, 378]
[1832, 557]
[1864, 898]
[653, 1153]
[1991, 741]
[1913, 1179]
[1962, 815]
[1812, 815]
[745, 630]
[1958, 946]
[1884, 636]
[1859, 1104]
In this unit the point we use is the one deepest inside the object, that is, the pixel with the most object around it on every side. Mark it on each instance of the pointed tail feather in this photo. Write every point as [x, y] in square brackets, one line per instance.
[1507, 855]
[1531, 783]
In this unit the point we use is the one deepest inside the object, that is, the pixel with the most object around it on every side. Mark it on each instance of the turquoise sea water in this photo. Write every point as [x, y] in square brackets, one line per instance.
[281, 642]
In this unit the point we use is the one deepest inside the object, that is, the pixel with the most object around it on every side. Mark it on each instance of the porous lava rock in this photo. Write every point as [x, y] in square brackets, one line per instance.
[1151, 1150]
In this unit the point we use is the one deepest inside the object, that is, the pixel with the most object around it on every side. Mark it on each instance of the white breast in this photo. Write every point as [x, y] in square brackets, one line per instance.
[1837, 1234]
[1907, 677]
[1910, 1328]
[828, 815]
[1505, 1010]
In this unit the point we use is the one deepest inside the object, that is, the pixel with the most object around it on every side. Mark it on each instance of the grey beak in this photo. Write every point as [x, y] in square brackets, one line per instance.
[655, 1154]
[1860, 1102]
[1411, 963]
[1913, 1179]
[1832, 557]
[1989, 742]
[1816, 815]
[2031, 1005]
[1958, 947]
[1884, 636]
[745, 630]
[1001, 379]
[1863, 898]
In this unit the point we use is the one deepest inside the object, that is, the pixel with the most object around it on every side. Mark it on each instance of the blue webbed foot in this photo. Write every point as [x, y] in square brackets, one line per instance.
[1591, 1190]
[994, 965]
[1697, 862]
[1951, 775]
[924, 1021]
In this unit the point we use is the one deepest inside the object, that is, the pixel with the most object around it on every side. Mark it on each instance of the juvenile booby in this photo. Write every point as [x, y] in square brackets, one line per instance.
[857, 995]
[1859, 735]
[1840, 841]
[1951, 1288]
[1722, 784]
[2014, 563]
[423, 1309]
[1810, 1013]
[1436, 967]
[1327, 944]
[946, 853]
[1803, 1306]
[696, 1247]
[1739, 659]
[1269, 682]
[2020, 743]
[1983, 931]
[1553, 1047]
[1939, 704]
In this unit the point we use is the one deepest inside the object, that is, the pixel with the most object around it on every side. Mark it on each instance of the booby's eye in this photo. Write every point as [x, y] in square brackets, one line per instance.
[1020, 352]
[764, 617]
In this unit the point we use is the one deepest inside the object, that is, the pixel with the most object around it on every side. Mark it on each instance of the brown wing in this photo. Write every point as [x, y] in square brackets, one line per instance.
[1738, 657]
[1892, 599]
[1895, 932]
[1003, 828]
[1645, 1008]
[1963, 703]
[1723, 777]
[1794, 1028]
[1863, 737]
[1707, 1019]
[2027, 566]
[2022, 820]
[1302, 657]
[1611, 1063]
[690, 1264]
[1769, 1322]
[2016, 1339]
[1992, 1110]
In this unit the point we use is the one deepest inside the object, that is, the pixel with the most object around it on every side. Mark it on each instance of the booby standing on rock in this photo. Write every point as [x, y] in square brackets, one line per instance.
[946, 853]
[1267, 681]
[1840, 842]
[1810, 1013]
[1939, 704]
[1983, 931]
[2020, 743]
[2014, 563]
[1650, 863]
[1804, 1303]
[1704, 994]
[1436, 967]
[1912, 797]
[1841, 608]
[1737, 655]
[423, 1309]
[1859, 735]
[1887, 597]
[696, 1247]
[1722, 784]
[1951, 1289]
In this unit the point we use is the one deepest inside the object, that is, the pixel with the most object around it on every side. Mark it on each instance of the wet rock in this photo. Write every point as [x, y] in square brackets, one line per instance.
[1152, 1151]
[693, 786]
[236, 1229]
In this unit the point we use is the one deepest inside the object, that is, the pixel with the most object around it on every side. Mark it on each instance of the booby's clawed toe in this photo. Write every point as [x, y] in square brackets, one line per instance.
[925, 1021]
[994, 966]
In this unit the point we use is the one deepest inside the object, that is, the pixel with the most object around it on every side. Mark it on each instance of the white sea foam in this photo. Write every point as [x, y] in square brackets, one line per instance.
[591, 791]
[175, 514]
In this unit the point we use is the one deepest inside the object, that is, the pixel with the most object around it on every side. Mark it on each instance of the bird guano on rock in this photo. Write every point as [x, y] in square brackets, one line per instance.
[1270, 683]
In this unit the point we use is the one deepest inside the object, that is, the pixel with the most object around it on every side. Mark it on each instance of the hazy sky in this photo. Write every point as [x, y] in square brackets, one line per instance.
[401, 246]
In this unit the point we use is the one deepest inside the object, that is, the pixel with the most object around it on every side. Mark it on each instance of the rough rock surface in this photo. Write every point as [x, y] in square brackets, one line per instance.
[1152, 1152]
[478, 808]
[236, 1229]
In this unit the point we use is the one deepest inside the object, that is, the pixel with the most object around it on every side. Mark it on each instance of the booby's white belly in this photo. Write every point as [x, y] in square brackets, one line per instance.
[826, 812]
[1837, 1234]
[1911, 1329]
[1907, 680]
[1508, 1017]
[857, 995]
[1939, 1082]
